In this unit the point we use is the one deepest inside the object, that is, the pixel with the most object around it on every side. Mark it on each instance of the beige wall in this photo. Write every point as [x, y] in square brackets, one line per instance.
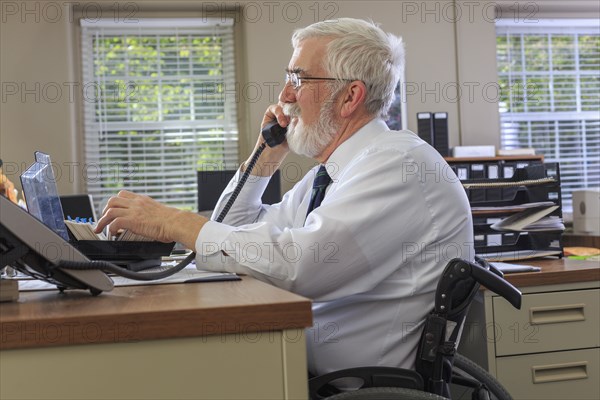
[36, 66]
[430, 60]
[39, 53]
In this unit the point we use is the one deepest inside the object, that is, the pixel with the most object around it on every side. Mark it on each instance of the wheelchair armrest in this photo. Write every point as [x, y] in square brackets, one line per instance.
[497, 284]
[508, 291]
[486, 265]
[459, 270]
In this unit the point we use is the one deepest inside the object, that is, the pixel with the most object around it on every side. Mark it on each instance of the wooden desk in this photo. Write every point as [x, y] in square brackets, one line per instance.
[220, 340]
[550, 349]
[556, 271]
[575, 240]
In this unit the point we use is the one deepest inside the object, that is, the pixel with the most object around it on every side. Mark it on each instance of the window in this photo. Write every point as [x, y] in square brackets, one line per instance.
[396, 119]
[549, 75]
[159, 104]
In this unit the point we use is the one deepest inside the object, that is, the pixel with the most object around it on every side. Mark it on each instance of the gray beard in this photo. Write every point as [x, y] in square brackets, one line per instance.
[311, 140]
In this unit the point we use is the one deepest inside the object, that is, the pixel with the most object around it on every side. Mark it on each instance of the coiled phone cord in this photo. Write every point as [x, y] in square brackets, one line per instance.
[241, 183]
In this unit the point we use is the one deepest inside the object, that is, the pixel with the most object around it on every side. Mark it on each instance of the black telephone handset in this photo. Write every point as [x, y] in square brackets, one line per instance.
[273, 133]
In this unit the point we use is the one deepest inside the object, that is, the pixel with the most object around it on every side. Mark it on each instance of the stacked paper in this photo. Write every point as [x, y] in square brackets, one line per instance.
[509, 268]
[519, 207]
[526, 151]
[84, 231]
[533, 219]
[516, 255]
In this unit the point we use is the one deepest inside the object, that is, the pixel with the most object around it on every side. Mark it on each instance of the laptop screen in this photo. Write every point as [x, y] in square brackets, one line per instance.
[41, 194]
[78, 205]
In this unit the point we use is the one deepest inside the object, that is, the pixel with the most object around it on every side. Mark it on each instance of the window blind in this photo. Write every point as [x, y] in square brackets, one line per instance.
[549, 75]
[159, 104]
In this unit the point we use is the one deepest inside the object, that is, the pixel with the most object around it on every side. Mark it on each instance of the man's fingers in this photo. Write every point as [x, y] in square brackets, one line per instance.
[116, 202]
[282, 119]
[108, 217]
[126, 194]
[102, 222]
[275, 112]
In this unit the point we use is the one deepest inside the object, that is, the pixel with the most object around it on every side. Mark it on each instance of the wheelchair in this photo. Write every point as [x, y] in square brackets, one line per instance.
[438, 365]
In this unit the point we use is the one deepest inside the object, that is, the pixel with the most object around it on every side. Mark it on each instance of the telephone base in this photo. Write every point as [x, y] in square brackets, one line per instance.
[137, 265]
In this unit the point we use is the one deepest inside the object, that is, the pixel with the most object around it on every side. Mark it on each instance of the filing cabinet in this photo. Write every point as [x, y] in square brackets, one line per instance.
[549, 349]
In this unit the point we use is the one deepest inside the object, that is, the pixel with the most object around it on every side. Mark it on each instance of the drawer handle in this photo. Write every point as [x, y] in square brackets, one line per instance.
[559, 372]
[555, 314]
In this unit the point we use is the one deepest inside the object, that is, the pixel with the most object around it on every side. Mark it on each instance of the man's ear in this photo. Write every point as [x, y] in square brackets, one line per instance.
[353, 98]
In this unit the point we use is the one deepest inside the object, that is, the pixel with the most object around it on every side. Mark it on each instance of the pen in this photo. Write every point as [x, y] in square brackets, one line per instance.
[215, 278]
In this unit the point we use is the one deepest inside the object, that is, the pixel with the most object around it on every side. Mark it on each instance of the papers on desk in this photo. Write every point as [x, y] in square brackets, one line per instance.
[533, 219]
[518, 255]
[546, 224]
[510, 268]
[188, 274]
[513, 207]
[504, 184]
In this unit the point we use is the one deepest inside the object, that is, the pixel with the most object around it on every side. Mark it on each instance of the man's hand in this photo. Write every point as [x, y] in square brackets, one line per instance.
[272, 157]
[145, 216]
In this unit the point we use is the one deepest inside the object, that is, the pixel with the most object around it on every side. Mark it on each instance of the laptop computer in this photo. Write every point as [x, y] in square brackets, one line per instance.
[78, 205]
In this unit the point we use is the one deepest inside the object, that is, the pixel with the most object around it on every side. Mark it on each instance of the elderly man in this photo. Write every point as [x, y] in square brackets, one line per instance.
[365, 235]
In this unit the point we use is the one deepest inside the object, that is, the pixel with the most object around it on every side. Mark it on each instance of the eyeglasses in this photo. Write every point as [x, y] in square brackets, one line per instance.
[296, 81]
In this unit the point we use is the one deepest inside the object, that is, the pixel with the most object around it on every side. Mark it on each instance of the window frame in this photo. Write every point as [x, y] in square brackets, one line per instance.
[231, 129]
[586, 124]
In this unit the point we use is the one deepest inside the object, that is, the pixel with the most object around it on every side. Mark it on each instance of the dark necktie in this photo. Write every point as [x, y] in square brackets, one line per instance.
[322, 180]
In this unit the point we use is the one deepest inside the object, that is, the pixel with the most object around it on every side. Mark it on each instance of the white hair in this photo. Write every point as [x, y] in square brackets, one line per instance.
[360, 50]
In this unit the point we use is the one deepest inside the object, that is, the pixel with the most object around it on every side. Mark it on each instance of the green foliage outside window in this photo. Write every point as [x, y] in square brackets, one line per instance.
[156, 84]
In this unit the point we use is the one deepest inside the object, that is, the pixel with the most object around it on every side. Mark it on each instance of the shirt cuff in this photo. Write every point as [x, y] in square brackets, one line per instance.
[211, 236]
[209, 252]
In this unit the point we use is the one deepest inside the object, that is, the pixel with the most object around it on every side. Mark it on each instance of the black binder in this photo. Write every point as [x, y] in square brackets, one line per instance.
[433, 128]
[440, 133]
[425, 127]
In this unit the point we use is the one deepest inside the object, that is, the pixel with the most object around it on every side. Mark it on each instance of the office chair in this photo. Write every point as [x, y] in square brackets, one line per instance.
[212, 183]
[437, 364]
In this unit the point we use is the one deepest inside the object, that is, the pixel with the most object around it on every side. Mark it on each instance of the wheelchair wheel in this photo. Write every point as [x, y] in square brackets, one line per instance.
[463, 364]
[386, 393]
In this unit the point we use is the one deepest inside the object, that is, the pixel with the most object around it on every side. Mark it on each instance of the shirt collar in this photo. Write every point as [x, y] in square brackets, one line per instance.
[356, 143]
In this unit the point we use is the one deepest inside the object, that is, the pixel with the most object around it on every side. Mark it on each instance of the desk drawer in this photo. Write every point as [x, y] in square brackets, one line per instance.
[547, 322]
[560, 375]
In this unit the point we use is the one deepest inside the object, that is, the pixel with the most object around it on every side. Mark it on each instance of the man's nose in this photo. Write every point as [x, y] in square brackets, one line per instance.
[287, 94]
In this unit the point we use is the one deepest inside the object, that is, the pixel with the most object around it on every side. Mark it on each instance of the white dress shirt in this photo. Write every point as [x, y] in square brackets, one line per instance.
[369, 256]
